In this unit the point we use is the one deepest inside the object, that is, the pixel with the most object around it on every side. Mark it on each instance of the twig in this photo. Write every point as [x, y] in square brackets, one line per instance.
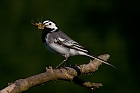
[70, 73]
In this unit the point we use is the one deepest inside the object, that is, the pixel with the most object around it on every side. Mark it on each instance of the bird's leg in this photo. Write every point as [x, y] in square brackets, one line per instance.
[64, 61]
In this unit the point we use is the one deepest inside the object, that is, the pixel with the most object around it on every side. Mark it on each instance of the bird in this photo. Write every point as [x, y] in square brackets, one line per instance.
[58, 42]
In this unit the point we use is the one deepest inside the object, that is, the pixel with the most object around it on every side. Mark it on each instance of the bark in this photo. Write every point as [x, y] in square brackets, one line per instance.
[69, 73]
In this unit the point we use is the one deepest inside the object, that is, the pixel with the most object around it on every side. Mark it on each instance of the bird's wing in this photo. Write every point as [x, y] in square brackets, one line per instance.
[69, 43]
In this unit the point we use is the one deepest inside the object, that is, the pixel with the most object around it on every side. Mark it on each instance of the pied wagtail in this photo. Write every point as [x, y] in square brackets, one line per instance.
[58, 42]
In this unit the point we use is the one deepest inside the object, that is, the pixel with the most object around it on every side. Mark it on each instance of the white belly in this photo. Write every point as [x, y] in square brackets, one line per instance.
[57, 49]
[61, 50]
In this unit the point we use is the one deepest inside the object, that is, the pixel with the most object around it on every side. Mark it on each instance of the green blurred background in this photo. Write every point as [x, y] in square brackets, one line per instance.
[103, 26]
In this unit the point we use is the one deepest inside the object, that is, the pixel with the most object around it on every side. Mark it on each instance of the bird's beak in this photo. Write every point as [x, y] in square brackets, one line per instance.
[38, 25]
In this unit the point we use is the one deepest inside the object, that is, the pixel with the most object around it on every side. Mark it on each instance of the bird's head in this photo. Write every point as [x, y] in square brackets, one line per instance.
[46, 24]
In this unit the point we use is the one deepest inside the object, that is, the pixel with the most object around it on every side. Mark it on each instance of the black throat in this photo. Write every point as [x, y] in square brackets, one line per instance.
[45, 32]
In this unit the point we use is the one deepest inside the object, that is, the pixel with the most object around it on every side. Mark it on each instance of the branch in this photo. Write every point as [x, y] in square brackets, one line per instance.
[70, 73]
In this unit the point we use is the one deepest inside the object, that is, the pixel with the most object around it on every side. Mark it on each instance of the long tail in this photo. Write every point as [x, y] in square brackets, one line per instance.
[105, 62]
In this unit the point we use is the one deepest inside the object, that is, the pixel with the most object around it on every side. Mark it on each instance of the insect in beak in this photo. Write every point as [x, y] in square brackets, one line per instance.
[39, 25]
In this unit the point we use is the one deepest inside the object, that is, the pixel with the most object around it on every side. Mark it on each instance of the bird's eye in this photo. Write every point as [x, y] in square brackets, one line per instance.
[50, 23]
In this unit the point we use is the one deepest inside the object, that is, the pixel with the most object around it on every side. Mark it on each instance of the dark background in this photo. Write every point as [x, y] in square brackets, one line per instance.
[103, 26]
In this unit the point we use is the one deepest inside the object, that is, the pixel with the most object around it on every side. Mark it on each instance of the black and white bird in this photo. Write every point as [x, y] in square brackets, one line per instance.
[58, 42]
